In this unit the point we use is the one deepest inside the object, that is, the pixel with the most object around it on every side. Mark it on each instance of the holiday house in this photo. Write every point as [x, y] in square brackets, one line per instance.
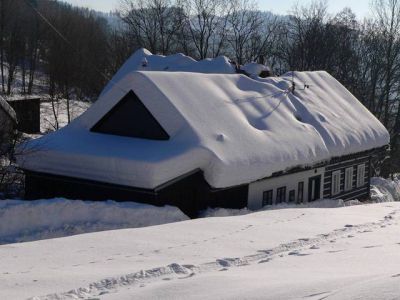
[170, 130]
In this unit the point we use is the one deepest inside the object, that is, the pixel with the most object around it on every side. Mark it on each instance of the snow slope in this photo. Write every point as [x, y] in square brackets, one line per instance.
[310, 253]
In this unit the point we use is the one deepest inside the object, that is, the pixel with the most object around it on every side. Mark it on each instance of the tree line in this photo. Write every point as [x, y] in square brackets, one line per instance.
[74, 51]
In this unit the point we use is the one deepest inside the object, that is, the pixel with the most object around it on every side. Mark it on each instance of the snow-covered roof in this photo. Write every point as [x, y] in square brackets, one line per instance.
[236, 129]
[144, 60]
[7, 109]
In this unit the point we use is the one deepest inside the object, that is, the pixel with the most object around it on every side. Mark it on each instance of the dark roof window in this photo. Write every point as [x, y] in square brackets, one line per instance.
[129, 117]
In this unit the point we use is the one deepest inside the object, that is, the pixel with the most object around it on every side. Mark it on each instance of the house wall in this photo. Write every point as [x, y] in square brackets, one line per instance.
[256, 189]
[361, 192]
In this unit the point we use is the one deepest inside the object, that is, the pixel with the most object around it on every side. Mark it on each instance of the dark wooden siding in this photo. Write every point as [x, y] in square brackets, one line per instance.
[45, 186]
[356, 192]
[191, 193]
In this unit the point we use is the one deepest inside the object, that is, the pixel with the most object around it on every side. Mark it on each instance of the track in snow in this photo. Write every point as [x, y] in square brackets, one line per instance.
[299, 247]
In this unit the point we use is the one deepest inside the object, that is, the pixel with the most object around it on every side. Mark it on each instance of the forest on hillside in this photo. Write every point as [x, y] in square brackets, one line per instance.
[75, 51]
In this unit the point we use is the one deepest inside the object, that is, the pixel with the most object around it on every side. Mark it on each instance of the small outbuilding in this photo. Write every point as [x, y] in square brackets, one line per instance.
[197, 135]
[8, 122]
[27, 110]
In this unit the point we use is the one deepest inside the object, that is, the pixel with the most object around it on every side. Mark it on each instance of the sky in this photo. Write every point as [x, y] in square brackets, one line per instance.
[360, 7]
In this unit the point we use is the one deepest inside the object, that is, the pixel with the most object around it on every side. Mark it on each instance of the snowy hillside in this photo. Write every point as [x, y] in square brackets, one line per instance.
[315, 251]
[310, 253]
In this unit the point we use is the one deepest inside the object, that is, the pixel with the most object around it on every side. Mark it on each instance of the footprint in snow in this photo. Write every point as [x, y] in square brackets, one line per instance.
[264, 261]
[317, 294]
[396, 275]
[350, 236]
[314, 247]
[191, 267]
[190, 275]
[268, 251]
[335, 251]
[297, 253]
[166, 279]
[223, 269]
[348, 225]
[304, 239]
[373, 246]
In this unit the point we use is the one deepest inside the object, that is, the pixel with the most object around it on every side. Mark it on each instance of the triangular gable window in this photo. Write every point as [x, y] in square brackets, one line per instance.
[131, 118]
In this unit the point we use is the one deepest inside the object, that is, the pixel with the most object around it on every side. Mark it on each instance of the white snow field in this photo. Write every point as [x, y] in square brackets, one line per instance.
[308, 253]
[320, 250]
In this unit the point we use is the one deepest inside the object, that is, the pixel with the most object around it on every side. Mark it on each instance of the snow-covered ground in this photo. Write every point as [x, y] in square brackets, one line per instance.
[49, 116]
[309, 253]
[347, 252]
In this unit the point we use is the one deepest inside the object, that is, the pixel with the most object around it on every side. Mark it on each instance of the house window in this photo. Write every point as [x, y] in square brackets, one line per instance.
[300, 189]
[335, 182]
[267, 198]
[348, 179]
[292, 195]
[360, 175]
[281, 194]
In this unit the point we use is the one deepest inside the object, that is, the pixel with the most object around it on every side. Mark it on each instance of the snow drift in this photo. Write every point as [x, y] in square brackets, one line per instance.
[33, 220]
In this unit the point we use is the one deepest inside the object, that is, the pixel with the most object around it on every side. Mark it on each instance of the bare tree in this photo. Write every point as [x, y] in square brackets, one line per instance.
[152, 23]
[204, 20]
[388, 25]
[244, 21]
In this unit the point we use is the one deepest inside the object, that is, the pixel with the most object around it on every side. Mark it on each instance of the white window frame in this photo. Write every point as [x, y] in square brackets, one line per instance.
[348, 179]
[360, 175]
[336, 182]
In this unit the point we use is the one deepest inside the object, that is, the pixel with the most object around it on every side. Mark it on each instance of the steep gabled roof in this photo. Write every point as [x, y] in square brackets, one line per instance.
[236, 129]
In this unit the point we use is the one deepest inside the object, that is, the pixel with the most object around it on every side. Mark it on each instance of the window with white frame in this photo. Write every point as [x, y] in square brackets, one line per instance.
[360, 175]
[348, 179]
[335, 182]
